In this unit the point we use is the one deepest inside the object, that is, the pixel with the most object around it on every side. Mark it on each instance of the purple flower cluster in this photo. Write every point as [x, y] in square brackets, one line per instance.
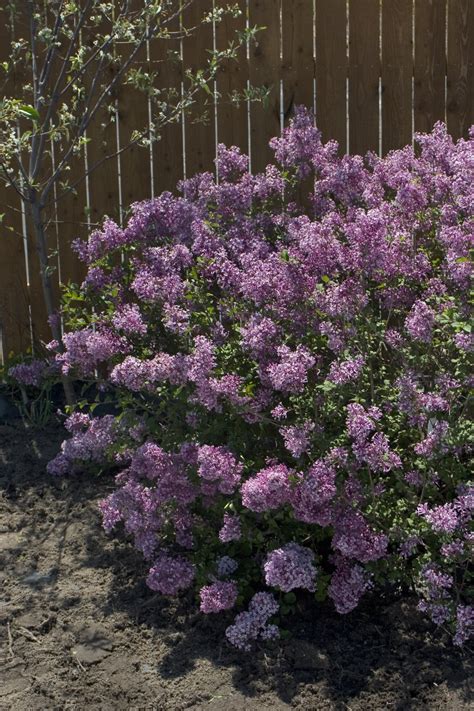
[252, 625]
[90, 442]
[231, 530]
[218, 597]
[313, 493]
[349, 582]
[290, 374]
[290, 567]
[345, 371]
[354, 538]
[219, 469]
[226, 566]
[296, 439]
[420, 322]
[268, 489]
[169, 574]
[31, 373]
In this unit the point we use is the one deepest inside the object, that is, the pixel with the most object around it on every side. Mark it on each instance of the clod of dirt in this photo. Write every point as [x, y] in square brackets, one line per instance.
[94, 645]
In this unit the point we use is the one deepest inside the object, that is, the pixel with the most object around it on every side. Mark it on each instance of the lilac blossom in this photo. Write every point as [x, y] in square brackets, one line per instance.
[253, 624]
[289, 567]
[345, 371]
[31, 373]
[231, 528]
[218, 597]
[291, 373]
[226, 566]
[217, 464]
[354, 538]
[313, 493]
[128, 319]
[442, 519]
[268, 489]
[420, 322]
[169, 575]
[296, 438]
[349, 582]
[464, 624]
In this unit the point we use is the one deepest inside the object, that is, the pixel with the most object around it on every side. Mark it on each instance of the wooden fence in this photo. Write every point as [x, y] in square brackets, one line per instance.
[374, 71]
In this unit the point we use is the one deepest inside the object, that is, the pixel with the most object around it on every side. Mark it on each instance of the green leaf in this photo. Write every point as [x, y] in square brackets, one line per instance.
[29, 112]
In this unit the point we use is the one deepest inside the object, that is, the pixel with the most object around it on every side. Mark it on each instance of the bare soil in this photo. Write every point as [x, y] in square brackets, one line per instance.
[80, 630]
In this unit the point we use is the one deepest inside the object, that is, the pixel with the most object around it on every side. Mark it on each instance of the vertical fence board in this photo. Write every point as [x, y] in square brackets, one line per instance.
[102, 163]
[430, 63]
[14, 316]
[232, 120]
[364, 72]
[297, 51]
[460, 99]
[265, 72]
[397, 66]
[331, 70]
[65, 212]
[165, 63]
[200, 138]
[133, 116]
[72, 223]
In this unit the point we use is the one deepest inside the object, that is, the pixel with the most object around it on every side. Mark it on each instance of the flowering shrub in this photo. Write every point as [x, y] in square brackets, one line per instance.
[292, 380]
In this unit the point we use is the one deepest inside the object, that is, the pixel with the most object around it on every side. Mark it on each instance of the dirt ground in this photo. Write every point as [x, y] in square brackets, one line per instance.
[80, 630]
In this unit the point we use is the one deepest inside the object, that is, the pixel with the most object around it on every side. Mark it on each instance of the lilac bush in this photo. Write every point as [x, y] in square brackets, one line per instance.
[292, 379]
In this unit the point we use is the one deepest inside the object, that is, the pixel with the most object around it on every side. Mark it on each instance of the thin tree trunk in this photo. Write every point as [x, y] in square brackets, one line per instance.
[46, 283]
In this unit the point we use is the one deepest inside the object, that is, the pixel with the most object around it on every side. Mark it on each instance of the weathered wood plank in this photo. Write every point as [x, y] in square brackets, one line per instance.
[265, 72]
[430, 63]
[200, 138]
[232, 78]
[165, 63]
[297, 55]
[331, 70]
[364, 73]
[397, 71]
[135, 170]
[460, 99]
